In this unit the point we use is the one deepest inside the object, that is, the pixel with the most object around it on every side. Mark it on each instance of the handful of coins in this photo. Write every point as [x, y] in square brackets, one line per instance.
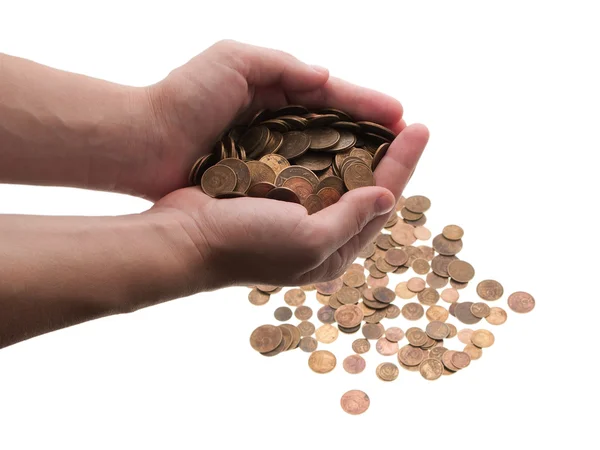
[293, 154]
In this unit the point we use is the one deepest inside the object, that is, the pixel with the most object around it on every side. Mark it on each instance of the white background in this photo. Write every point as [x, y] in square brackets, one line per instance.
[510, 93]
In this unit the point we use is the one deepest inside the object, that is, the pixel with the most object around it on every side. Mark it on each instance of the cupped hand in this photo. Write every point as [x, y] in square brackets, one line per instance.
[254, 241]
[227, 84]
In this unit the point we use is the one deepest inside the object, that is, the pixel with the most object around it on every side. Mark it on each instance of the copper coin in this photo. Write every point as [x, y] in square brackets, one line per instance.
[447, 360]
[460, 360]
[283, 194]
[313, 204]
[416, 223]
[308, 287]
[415, 284]
[241, 171]
[346, 142]
[366, 310]
[308, 344]
[461, 271]
[440, 263]
[375, 272]
[453, 232]
[450, 295]
[379, 130]
[355, 402]
[428, 296]
[372, 330]
[334, 302]
[416, 337]
[457, 285]
[392, 311]
[451, 308]
[257, 297]
[322, 298]
[295, 143]
[437, 330]
[301, 187]
[378, 282]
[435, 281]
[421, 266]
[437, 352]
[268, 289]
[306, 328]
[275, 162]
[353, 278]
[464, 314]
[379, 154]
[464, 335]
[431, 369]
[295, 334]
[383, 266]
[413, 254]
[266, 338]
[322, 361]
[367, 251]
[446, 247]
[320, 138]
[374, 304]
[481, 310]
[295, 297]
[422, 233]
[329, 287]
[387, 371]
[412, 311]
[326, 334]
[490, 290]
[362, 154]
[396, 257]
[331, 182]
[521, 302]
[473, 352]
[296, 171]
[428, 252]
[329, 196]
[260, 172]
[411, 356]
[403, 234]
[394, 334]
[261, 189]
[361, 346]
[255, 139]
[326, 314]
[218, 179]
[280, 348]
[358, 175]
[453, 330]
[356, 267]
[303, 313]
[403, 291]
[436, 313]
[287, 337]
[383, 242]
[497, 316]
[315, 161]
[409, 215]
[348, 295]
[349, 316]
[354, 364]
[283, 313]
[482, 338]
[383, 294]
[418, 204]
[349, 330]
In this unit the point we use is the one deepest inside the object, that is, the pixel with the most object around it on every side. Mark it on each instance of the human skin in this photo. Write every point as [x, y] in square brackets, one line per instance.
[58, 128]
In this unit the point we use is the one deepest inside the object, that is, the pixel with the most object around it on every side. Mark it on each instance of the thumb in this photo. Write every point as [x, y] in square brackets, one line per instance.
[340, 222]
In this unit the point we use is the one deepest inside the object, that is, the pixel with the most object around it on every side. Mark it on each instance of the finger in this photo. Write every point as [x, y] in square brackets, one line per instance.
[361, 103]
[264, 66]
[335, 225]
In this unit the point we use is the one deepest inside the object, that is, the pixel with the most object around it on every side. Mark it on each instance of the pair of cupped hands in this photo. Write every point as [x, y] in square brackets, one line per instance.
[251, 240]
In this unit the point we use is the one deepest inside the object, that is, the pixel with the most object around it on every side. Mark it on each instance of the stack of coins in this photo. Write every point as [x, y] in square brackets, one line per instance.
[361, 300]
[293, 154]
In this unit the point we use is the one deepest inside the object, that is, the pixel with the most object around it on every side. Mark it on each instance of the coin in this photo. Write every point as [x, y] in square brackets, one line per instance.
[428, 296]
[383, 294]
[326, 314]
[353, 278]
[383, 241]
[372, 330]
[266, 338]
[331, 182]
[354, 364]
[313, 204]
[283, 194]
[255, 139]
[387, 371]
[440, 263]
[482, 338]
[480, 310]
[260, 172]
[395, 256]
[497, 316]
[218, 179]
[358, 175]
[378, 282]
[453, 232]
[303, 312]
[355, 402]
[431, 369]
[241, 171]
[326, 334]
[308, 344]
[461, 271]
[361, 346]
[386, 347]
[449, 295]
[394, 334]
[435, 281]
[296, 171]
[490, 290]
[418, 204]
[329, 287]
[349, 316]
[275, 162]
[437, 330]
[473, 352]
[362, 154]
[392, 311]
[283, 313]
[287, 337]
[306, 328]
[460, 360]
[409, 215]
[400, 270]
[422, 233]
[415, 284]
[463, 313]
[457, 285]
[437, 352]
[464, 335]
[334, 302]
[257, 297]
[295, 297]
[383, 266]
[379, 154]
[321, 138]
[367, 251]
[416, 337]
[445, 246]
[295, 143]
[403, 291]
[403, 234]
[349, 330]
[436, 313]
[260, 189]
[322, 361]
[420, 266]
[412, 311]
[301, 187]
[322, 299]
[411, 356]
[366, 310]
[427, 252]
[521, 302]
[348, 295]
[268, 289]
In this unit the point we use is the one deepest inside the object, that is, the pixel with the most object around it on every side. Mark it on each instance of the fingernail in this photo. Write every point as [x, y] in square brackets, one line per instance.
[384, 204]
[320, 70]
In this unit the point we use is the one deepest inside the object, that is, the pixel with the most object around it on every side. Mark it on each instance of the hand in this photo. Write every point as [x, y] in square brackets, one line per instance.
[262, 241]
[229, 83]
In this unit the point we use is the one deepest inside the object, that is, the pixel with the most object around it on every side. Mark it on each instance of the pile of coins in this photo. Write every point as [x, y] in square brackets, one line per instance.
[361, 299]
[295, 155]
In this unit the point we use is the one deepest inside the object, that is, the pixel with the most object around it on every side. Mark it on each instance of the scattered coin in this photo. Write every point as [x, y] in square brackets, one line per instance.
[322, 298]
[394, 334]
[218, 179]
[464, 335]
[257, 297]
[464, 314]
[387, 371]
[410, 355]
[355, 402]
[416, 337]
[435, 281]
[490, 290]
[450, 295]
[453, 232]
[482, 338]
[306, 328]
[461, 271]
[354, 364]
[460, 360]
[308, 344]
[418, 204]
[421, 266]
[329, 287]
[481, 310]
[445, 246]
[396, 257]
[473, 352]
[521, 302]
[453, 330]
[283, 313]
[436, 313]
[403, 291]
[353, 278]
[428, 296]
[422, 233]
[322, 361]
[266, 338]
[373, 330]
[361, 346]
[326, 334]
[392, 311]
[303, 312]
[349, 316]
[431, 369]
[412, 311]
[437, 330]
[386, 347]
[326, 314]
[295, 297]
[440, 263]
[497, 316]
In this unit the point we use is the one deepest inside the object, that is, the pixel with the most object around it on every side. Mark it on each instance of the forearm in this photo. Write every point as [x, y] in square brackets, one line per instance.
[60, 128]
[59, 271]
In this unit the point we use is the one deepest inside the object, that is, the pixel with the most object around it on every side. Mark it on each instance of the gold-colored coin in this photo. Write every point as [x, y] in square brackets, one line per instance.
[295, 297]
[349, 316]
[242, 173]
[403, 234]
[436, 313]
[431, 369]
[334, 302]
[422, 233]
[348, 295]
[473, 352]
[428, 296]
[322, 298]
[421, 266]
[409, 215]
[437, 330]
[353, 278]
[403, 291]
[218, 179]
[482, 338]
[358, 175]
[497, 316]
[326, 334]
[453, 330]
[257, 297]
[453, 232]
[418, 204]
[322, 361]
[461, 271]
[260, 172]
[379, 154]
[387, 371]
[464, 335]
[355, 402]
[275, 162]
[480, 309]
